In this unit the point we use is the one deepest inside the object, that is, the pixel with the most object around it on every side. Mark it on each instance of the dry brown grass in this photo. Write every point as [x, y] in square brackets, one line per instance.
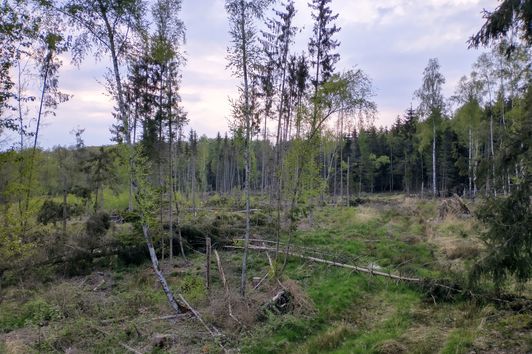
[365, 214]
[391, 347]
[303, 304]
[19, 341]
[462, 250]
[328, 340]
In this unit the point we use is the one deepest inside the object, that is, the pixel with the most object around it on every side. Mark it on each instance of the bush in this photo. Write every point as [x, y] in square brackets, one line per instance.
[98, 224]
[34, 312]
[508, 238]
[52, 212]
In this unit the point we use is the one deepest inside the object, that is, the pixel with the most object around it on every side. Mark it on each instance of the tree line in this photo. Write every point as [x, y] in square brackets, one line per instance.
[301, 132]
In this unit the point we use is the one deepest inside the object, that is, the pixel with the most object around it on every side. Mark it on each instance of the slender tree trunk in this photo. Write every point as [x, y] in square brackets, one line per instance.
[360, 180]
[475, 169]
[422, 177]
[247, 151]
[193, 182]
[160, 164]
[120, 93]
[434, 186]
[469, 163]
[170, 177]
[279, 153]
[158, 272]
[348, 203]
[64, 206]
[35, 139]
[391, 168]
[492, 156]
[263, 166]
[341, 157]
[19, 102]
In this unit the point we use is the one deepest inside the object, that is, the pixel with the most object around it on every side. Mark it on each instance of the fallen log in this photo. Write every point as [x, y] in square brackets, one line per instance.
[431, 287]
[336, 264]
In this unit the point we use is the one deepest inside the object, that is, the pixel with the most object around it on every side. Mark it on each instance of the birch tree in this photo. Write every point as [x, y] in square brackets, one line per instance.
[242, 56]
[106, 27]
[431, 106]
[467, 120]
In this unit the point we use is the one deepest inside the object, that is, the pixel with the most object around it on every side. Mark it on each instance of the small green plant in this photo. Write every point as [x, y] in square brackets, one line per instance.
[33, 313]
[459, 341]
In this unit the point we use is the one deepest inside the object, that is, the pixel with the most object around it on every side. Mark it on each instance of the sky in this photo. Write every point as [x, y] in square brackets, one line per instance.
[390, 40]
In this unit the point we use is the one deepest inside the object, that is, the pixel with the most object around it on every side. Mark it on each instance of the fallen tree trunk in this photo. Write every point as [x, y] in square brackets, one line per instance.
[336, 264]
[435, 288]
[155, 264]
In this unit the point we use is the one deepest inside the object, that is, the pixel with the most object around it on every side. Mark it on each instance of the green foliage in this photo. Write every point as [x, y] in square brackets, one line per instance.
[52, 212]
[33, 313]
[508, 16]
[508, 238]
[98, 224]
[459, 341]
[146, 196]
[191, 286]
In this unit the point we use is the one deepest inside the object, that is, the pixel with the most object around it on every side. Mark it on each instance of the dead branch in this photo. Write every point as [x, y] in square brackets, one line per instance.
[99, 285]
[123, 345]
[224, 282]
[261, 281]
[214, 332]
[127, 347]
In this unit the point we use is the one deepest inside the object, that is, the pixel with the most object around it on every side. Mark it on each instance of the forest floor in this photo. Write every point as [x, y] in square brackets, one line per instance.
[119, 309]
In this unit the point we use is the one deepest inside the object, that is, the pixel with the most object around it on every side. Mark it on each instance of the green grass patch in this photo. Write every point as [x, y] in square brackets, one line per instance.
[459, 341]
[32, 313]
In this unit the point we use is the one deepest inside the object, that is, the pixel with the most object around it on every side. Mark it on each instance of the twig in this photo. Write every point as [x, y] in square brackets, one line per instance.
[214, 332]
[260, 281]
[112, 320]
[99, 285]
[224, 281]
[133, 350]
[123, 345]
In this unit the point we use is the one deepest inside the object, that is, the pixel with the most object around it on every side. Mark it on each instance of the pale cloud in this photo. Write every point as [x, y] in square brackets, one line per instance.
[432, 40]
[391, 40]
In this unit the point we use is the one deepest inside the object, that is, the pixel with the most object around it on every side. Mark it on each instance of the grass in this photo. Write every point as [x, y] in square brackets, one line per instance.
[74, 315]
[347, 312]
[383, 239]
[459, 341]
[360, 314]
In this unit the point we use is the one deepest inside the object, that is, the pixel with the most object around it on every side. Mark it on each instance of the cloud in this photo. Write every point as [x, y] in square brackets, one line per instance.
[391, 40]
[434, 39]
